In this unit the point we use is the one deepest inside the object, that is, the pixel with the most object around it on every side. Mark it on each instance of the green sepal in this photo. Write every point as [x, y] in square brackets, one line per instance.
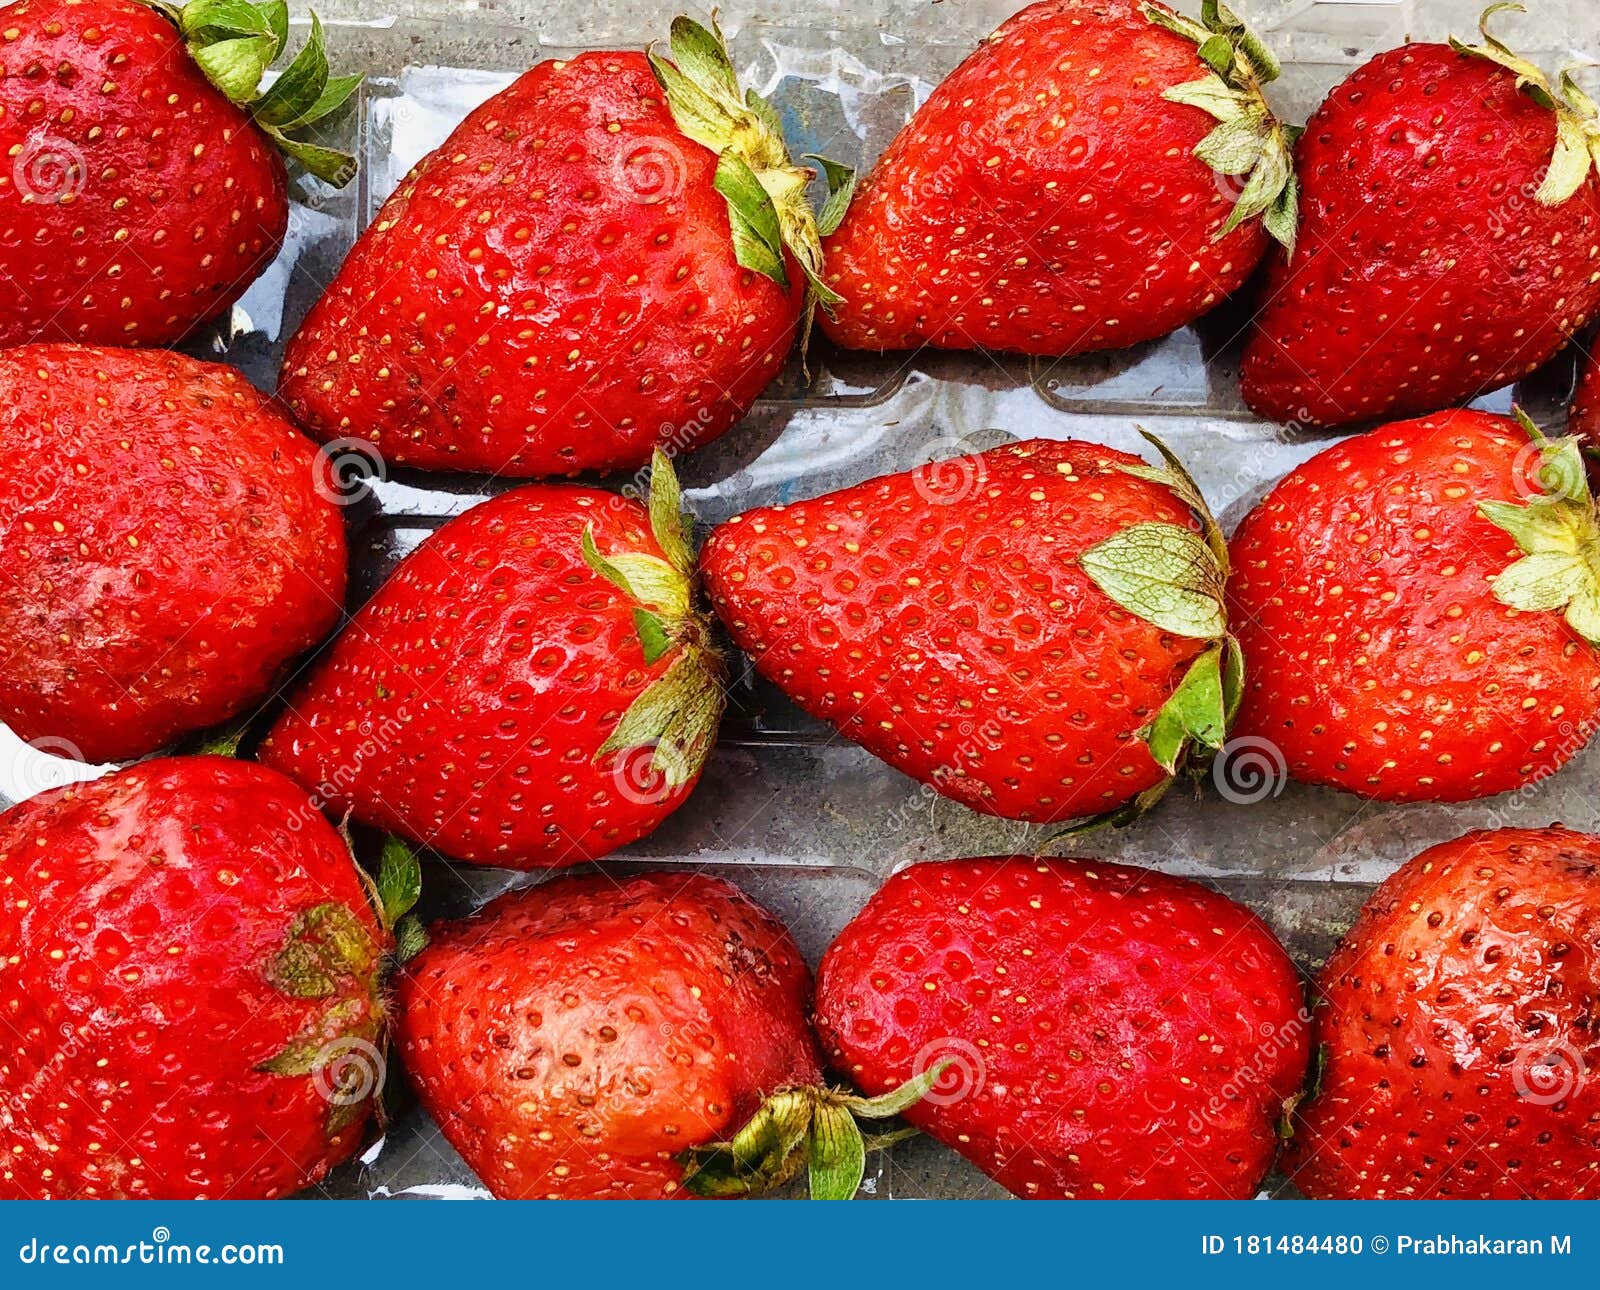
[1163, 573]
[841, 191]
[410, 938]
[1558, 532]
[1312, 1086]
[1248, 140]
[769, 215]
[399, 884]
[235, 42]
[757, 238]
[1577, 148]
[836, 1157]
[813, 1129]
[678, 713]
[1195, 713]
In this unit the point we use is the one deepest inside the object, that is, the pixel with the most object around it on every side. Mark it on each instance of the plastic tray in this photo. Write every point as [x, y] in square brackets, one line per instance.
[807, 823]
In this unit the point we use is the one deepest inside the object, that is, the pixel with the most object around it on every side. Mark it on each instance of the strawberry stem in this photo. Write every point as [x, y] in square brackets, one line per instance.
[234, 42]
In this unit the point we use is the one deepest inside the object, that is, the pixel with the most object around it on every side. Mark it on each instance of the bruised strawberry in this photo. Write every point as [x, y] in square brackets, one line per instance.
[1036, 631]
[143, 190]
[1098, 173]
[1420, 606]
[190, 991]
[1449, 235]
[607, 256]
[531, 688]
[1456, 1022]
[1103, 1031]
[572, 1039]
[167, 545]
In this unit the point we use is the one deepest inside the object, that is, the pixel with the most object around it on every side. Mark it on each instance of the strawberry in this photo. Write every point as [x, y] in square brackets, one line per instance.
[1449, 235]
[1098, 173]
[609, 255]
[144, 190]
[190, 988]
[531, 688]
[167, 545]
[571, 1040]
[1457, 1029]
[1036, 632]
[1420, 607]
[1102, 1031]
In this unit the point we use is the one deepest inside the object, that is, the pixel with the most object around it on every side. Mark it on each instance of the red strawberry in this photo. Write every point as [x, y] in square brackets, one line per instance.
[1043, 641]
[558, 288]
[1442, 251]
[1111, 1032]
[571, 1040]
[143, 190]
[1398, 598]
[1090, 178]
[531, 688]
[165, 547]
[1457, 1023]
[190, 988]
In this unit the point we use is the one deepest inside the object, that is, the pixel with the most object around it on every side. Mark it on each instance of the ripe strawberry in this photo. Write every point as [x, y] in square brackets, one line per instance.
[165, 547]
[1456, 1020]
[143, 191]
[190, 990]
[607, 256]
[1042, 641]
[531, 688]
[1111, 1032]
[1399, 647]
[1098, 173]
[571, 1040]
[1449, 229]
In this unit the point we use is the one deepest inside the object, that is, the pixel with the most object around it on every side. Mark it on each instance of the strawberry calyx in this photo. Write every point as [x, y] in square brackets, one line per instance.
[1175, 578]
[234, 42]
[1248, 139]
[768, 208]
[325, 948]
[677, 715]
[814, 1129]
[1558, 532]
[1577, 150]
